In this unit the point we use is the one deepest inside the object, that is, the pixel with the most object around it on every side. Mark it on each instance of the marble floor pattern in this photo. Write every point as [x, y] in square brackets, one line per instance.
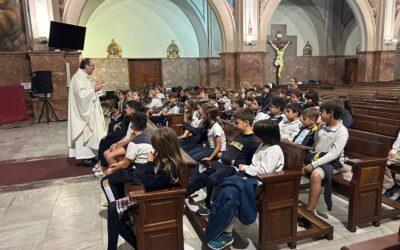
[70, 213]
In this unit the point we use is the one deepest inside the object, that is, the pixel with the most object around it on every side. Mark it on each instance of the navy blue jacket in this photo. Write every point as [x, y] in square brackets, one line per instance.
[234, 197]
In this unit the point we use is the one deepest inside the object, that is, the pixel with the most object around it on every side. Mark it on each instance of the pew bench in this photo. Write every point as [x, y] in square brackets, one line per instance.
[278, 202]
[387, 242]
[378, 125]
[175, 121]
[159, 223]
[366, 153]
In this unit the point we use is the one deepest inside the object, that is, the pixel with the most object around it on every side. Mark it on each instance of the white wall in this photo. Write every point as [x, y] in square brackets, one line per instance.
[143, 28]
[352, 42]
[299, 24]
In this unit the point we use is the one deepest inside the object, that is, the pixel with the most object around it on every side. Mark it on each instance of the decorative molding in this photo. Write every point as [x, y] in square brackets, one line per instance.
[397, 7]
[372, 4]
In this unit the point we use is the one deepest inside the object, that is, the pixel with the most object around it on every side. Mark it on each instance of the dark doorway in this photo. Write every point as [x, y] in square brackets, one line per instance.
[350, 70]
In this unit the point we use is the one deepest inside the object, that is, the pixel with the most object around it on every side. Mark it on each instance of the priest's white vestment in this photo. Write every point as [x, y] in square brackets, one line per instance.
[86, 125]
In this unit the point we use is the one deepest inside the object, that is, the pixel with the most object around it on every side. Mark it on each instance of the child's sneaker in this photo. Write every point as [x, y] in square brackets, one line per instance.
[391, 191]
[189, 206]
[221, 242]
[203, 211]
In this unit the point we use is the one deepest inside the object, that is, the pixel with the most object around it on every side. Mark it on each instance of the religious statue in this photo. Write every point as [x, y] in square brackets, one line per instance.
[307, 50]
[114, 50]
[279, 57]
[172, 50]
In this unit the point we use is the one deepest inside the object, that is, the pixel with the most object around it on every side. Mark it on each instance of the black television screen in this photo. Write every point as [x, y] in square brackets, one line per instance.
[66, 36]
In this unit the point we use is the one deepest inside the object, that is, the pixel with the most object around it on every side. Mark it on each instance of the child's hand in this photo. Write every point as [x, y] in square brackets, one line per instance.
[113, 147]
[150, 157]
[390, 155]
[206, 161]
[307, 169]
[117, 126]
[108, 170]
[241, 167]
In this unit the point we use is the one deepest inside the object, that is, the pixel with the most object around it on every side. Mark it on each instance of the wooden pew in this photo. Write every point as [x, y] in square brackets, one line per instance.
[367, 158]
[387, 242]
[278, 203]
[175, 121]
[159, 223]
[376, 125]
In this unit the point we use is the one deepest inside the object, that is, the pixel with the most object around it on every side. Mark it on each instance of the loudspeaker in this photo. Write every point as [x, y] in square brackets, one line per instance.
[42, 82]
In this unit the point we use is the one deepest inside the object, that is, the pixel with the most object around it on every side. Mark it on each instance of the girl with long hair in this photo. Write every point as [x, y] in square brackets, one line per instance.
[165, 169]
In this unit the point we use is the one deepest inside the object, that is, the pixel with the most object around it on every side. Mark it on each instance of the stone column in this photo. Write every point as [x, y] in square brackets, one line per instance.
[250, 67]
[203, 72]
[228, 70]
[376, 66]
[56, 63]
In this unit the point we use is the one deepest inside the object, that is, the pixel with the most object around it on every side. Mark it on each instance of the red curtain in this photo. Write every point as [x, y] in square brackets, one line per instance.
[12, 104]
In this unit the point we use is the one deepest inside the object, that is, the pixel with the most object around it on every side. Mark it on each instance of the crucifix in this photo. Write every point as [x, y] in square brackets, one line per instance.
[279, 45]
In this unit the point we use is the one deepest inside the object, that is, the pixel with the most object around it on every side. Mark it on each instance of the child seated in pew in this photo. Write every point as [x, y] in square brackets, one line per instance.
[291, 127]
[235, 197]
[195, 134]
[389, 184]
[161, 118]
[307, 131]
[312, 99]
[236, 104]
[257, 107]
[327, 156]
[123, 171]
[276, 109]
[164, 170]
[216, 141]
[110, 146]
[296, 97]
[240, 151]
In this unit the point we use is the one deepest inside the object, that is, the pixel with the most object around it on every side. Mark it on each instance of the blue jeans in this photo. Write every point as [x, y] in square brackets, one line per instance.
[200, 152]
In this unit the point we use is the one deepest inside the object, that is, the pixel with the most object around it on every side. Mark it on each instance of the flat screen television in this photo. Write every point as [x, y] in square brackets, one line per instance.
[66, 36]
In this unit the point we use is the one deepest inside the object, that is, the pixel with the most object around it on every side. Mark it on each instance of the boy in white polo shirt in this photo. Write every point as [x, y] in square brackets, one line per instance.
[328, 154]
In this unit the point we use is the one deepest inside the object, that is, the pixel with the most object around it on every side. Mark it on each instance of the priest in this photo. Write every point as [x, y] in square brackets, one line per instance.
[86, 125]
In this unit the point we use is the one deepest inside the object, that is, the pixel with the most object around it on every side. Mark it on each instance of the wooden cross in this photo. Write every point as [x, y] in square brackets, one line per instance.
[278, 43]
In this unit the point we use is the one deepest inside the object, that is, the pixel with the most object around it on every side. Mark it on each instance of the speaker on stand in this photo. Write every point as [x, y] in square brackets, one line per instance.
[42, 83]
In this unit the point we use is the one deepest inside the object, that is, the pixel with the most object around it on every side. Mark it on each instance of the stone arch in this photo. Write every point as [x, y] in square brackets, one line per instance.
[361, 11]
[316, 18]
[350, 27]
[74, 10]
[397, 26]
[365, 20]
[226, 23]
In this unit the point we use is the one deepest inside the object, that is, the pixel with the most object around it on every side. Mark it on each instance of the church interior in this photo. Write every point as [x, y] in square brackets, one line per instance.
[234, 51]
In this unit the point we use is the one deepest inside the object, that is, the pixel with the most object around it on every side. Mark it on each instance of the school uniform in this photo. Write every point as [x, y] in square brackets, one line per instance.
[137, 151]
[116, 225]
[240, 151]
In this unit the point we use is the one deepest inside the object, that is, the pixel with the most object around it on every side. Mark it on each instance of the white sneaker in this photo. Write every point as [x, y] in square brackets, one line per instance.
[189, 206]
[97, 168]
[99, 174]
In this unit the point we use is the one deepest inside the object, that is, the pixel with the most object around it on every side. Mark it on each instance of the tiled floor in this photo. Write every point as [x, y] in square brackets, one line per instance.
[70, 213]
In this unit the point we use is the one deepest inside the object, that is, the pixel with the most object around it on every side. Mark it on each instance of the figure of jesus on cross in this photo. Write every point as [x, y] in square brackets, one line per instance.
[279, 55]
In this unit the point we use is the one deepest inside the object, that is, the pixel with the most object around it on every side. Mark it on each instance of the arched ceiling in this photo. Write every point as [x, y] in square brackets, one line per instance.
[194, 14]
[341, 12]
